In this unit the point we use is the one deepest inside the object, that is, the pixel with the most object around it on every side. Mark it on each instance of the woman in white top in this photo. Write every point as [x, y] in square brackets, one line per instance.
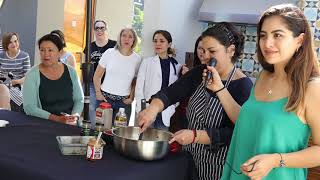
[120, 65]
[66, 57]
[157, 73]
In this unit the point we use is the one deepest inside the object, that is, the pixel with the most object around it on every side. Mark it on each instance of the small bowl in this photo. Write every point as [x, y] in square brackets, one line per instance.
[3, 123]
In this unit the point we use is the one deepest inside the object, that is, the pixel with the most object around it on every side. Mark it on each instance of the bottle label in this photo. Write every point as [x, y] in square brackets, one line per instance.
[120, 121]
[99, 114]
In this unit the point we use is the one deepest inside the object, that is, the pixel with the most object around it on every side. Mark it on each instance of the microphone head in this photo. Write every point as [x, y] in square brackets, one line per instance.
[213, 62]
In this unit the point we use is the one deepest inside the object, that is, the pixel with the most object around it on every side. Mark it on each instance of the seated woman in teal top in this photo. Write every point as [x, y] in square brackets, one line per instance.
[272, 130]
[52, 89]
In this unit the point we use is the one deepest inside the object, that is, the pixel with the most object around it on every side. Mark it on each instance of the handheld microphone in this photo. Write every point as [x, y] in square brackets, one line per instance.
[213, 63]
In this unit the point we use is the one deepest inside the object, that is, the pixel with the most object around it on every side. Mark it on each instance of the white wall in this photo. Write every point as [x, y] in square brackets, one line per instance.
[117, 14]
[50, 16]
[179, 17]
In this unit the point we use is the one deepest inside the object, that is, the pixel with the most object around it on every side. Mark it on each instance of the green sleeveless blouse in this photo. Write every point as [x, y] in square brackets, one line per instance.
[266, 128]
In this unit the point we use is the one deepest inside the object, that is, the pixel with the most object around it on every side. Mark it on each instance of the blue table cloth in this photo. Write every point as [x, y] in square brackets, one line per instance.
[29, 150]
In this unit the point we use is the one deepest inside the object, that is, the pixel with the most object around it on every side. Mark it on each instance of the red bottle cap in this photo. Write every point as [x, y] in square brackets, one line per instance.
[105, 105]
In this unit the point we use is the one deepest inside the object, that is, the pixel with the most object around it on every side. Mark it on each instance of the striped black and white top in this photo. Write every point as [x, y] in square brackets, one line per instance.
[1, 48]
[205, 112]
[18, 66]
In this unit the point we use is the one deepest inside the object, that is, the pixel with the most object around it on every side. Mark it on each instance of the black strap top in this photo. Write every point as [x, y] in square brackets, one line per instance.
[56, 95]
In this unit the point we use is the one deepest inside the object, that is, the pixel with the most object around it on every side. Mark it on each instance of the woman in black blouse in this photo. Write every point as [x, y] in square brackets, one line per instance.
[213, 108]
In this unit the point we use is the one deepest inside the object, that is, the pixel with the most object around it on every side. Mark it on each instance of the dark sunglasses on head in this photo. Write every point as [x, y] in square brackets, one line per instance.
[97, 28]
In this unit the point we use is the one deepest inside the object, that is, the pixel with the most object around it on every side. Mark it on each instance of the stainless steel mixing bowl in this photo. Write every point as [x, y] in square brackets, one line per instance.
[153, 145]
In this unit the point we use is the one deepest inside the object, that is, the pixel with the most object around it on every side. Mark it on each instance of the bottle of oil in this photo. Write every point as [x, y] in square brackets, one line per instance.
[121, 118]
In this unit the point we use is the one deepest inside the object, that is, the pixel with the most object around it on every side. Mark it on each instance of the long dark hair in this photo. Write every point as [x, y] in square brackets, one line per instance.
[227, 35]
[303, 64]
[167, 36]
[196, 60]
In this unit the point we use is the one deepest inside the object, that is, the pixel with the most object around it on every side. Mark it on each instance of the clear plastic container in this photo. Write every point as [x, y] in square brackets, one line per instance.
[74, 145]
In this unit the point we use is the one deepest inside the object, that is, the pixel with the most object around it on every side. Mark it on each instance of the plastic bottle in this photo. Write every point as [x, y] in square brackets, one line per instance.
[103, 117]
[121, 118]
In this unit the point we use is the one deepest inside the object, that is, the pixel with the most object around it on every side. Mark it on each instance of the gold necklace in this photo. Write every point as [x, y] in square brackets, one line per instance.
[270, 89]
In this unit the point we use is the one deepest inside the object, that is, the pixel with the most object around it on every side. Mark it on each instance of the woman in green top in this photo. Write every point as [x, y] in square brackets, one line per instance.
[52, 89]
[272, 130]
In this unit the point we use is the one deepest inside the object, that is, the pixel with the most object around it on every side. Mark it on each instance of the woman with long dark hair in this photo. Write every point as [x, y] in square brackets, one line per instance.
[272, 131]
[156, 73]
[213, 107]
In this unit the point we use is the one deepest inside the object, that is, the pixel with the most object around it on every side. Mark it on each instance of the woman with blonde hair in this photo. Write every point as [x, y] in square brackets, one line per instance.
[120, 66]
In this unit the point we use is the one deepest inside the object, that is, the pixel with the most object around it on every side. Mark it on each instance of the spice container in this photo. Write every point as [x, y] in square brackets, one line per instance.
[95, 150]
[103, 117]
